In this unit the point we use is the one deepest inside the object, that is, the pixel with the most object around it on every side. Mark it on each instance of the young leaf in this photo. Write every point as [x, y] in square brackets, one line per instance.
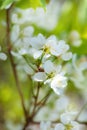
[6, 4]
[31, 3]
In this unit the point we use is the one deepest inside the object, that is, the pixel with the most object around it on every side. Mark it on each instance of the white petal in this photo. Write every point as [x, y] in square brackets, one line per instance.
[75, 125]
[67, 117]
[67, 56]
[28, 70]
[37, 42]
[26, 41]
[62, 103]
[45, 125]
[3, 56]
[14, 18]
[59, 81]
[47, 81]
[58, 84]
[22, 51]
[39, 76]
[52, 45]
[37, 54]
[48, 66]
[28, 31]
[15, 33]
[16, 54]
[62, 47]
[77, 43]
[42, 125]
[53, 37]
[59, 127]
[58, 68]
[83, 65]
[18, 43]
[58, 91]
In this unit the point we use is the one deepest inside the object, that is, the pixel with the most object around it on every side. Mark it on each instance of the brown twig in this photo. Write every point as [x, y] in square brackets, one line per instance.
[9, 47]
[35, 102]
[42, 103]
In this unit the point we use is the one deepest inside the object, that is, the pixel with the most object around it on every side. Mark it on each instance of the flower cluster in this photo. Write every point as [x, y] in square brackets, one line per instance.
[41, 18]
[78, 67]
[65, 117]
[66, 123]
[75, 38]
[47, 55]
[38, 56]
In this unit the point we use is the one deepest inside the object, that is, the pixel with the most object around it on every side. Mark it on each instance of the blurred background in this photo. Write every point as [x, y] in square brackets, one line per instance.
[67, 19]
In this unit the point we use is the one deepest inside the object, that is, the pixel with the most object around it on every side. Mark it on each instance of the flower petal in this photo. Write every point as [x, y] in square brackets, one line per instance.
[67, 56]
[59, 126]
[28, 31]
[37, 54]
[48, 66]
[67, 117]
[3, 56]
[15, 33]
[59, 81]
[39, 76]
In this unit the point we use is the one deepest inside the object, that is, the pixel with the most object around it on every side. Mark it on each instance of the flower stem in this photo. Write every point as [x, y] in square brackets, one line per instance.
[9, 48]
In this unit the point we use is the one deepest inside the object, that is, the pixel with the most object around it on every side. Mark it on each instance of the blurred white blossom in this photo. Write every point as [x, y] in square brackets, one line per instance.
[20, 36]
[75, 38]
[76, 71]
[2, 55]
[45, 126]
[45, 19]
[67, 122]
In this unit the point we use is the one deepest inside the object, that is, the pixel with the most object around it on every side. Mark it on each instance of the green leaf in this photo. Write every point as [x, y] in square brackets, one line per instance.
[6, 3]
[43, 2]
[31, 3]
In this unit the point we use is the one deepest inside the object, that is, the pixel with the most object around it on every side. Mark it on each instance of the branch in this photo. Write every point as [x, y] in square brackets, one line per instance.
[42, 103]
[9, 47]
[81, 111]
[35, 102]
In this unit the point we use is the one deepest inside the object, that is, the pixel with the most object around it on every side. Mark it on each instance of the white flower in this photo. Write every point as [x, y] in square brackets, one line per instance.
[76, 71]
[40, 76]
[62, 104]
[37, 42]
[20, 37]
[59, 82]
[62, 50]
[44, 19]
[45, 125]
[51, 74]
[67, 122]
[37, 45]
[43, 45]
[50, 67]
[67, 117]
[48, 72]
[51, 45]
[75, 38]
[2, 55]
[67, 56]
[59, 126]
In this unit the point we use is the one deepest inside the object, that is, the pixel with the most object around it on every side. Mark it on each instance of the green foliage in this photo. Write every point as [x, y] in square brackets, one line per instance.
[4, 4]
[31, 3]
[43, 2]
